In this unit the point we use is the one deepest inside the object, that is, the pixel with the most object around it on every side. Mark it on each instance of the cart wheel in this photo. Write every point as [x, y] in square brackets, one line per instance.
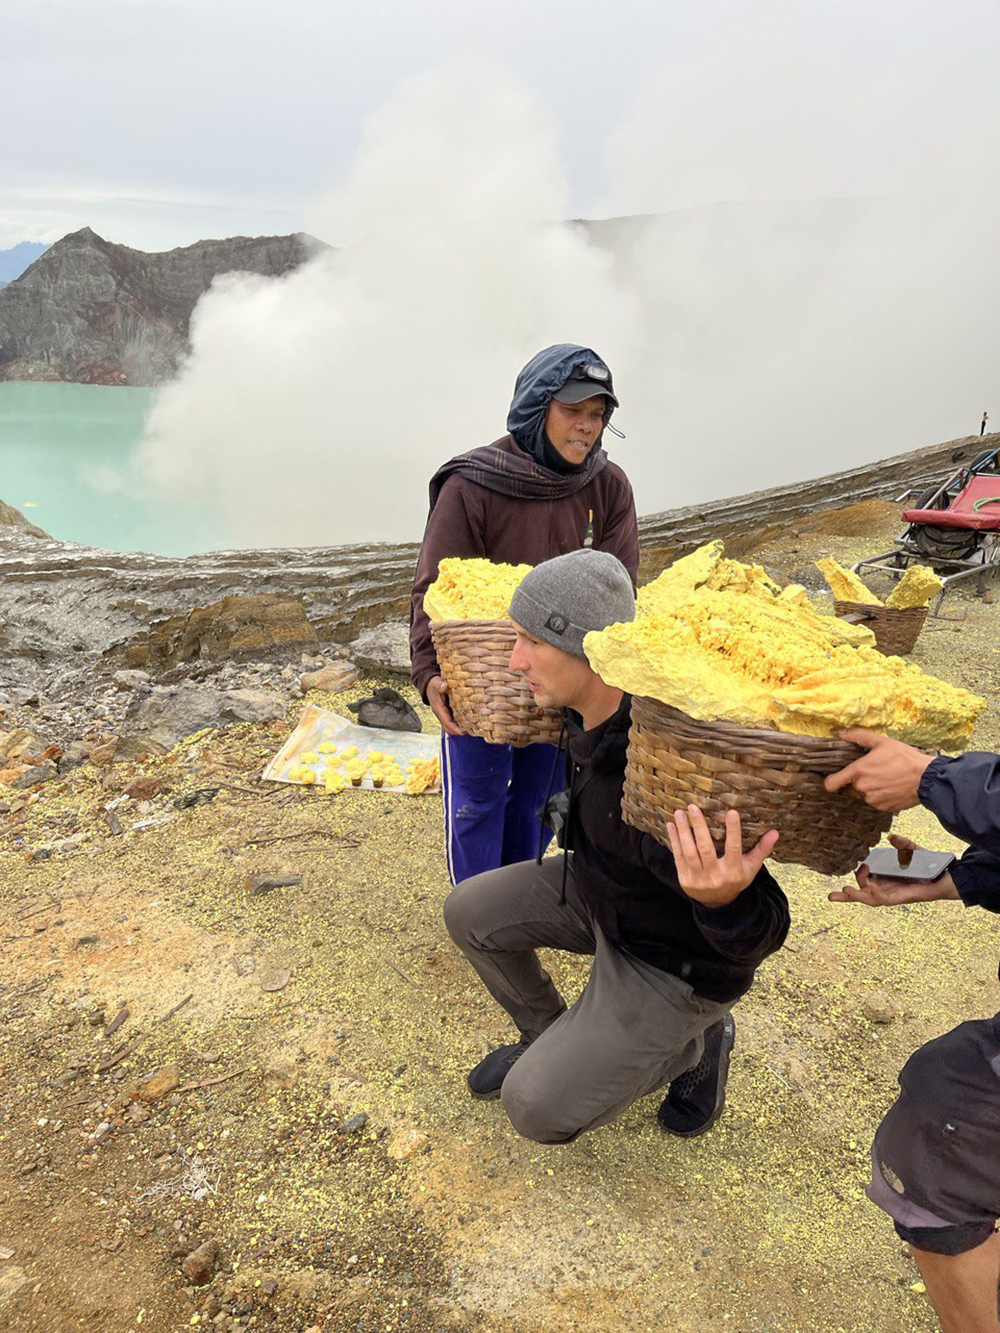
[984, 457]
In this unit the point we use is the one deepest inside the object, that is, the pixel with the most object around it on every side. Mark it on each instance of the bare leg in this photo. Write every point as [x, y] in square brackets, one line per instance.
[963, 1287]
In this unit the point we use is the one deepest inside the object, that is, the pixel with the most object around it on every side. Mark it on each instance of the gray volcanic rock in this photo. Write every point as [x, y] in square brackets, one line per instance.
[92, 312]
[384, 647]
[67, 609]
[156, 721]
[13, 518]
[236, 627]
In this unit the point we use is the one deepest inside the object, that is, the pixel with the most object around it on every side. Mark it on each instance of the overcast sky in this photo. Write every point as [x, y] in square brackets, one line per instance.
[161, 121]
[820, 289]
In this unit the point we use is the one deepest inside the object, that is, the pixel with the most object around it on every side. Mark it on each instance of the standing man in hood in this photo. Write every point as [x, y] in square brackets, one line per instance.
[545, 488]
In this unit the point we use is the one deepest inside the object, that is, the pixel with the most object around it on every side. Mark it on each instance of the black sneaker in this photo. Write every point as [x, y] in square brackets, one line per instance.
[486, 1079]
[695, 1099]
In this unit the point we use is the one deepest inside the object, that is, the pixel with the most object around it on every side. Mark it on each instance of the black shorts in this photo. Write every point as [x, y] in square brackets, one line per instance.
[936, 1155]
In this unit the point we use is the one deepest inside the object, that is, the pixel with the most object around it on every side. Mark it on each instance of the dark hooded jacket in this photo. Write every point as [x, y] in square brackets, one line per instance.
[629, 881]
[964, 794]
[500, 503]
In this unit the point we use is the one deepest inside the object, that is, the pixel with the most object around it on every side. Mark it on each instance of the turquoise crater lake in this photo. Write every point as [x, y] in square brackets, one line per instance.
[60, 443]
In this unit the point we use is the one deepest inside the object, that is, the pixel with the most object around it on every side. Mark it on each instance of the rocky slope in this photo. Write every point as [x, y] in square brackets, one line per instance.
[66, 609]
[13, 518]
[747, 521]
[92, 312]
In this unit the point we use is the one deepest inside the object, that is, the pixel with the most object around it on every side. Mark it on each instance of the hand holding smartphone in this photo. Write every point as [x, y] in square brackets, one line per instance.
[900, 874]
[903, 863]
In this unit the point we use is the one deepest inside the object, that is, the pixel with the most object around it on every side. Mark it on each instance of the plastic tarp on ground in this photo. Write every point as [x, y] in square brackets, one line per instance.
[318, 727]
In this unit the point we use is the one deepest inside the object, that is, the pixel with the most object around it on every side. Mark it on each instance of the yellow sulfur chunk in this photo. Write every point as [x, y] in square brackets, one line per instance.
[421, 774]
[916, 588]
[310, 757]
[794, 594]
[472, 589]
[679, 580]
[349, 752]
[706, 569]
[327, 748]
[838, 631]
[845, 584]
[852, 690]
[660, 657]
[308, 777]
[752, 655]
[731, 575]
[887, 695]
[928, 712]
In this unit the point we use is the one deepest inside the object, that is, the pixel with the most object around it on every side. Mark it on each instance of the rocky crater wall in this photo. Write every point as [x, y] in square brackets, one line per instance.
[67, 609]
[92, 312]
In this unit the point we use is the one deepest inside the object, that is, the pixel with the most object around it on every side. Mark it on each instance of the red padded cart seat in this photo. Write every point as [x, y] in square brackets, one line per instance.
[983, 491]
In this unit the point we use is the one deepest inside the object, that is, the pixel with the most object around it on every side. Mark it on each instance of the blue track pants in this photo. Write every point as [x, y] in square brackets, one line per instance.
[492, 794]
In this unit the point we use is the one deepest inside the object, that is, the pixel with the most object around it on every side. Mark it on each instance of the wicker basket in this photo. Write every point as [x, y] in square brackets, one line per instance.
[774, 779]
[896, 632]
[487, 698]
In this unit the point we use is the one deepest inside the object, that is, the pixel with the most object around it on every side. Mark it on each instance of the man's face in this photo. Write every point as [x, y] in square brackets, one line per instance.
[574, 428]
[555, 678]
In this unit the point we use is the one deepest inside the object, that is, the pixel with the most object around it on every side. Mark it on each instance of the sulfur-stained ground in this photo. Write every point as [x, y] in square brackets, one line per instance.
[306, 1006]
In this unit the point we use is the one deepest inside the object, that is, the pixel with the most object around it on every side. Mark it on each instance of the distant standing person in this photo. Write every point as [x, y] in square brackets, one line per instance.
[982, 428]
[545, 488]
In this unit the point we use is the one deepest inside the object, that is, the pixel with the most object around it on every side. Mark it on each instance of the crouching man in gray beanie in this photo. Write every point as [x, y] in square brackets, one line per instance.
[675, 936]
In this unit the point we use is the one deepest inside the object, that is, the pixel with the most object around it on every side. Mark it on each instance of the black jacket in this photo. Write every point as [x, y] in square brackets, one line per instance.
[629, 881]
[964, 794]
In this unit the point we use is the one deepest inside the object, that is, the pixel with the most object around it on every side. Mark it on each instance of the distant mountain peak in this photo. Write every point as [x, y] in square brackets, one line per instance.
[94, 312]
[17, 258]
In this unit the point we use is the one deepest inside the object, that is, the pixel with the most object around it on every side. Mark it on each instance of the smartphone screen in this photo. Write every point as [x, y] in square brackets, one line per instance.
[918, 865]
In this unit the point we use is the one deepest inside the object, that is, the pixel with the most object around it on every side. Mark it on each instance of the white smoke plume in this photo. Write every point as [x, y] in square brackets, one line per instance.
[314, 408]
[752, 343]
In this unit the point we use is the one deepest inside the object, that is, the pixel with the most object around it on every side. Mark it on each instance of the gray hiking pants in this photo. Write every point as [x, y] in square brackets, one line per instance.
[633, 1029]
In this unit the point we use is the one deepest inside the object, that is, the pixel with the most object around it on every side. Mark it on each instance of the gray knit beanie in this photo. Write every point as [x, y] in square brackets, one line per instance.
[563, 599]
